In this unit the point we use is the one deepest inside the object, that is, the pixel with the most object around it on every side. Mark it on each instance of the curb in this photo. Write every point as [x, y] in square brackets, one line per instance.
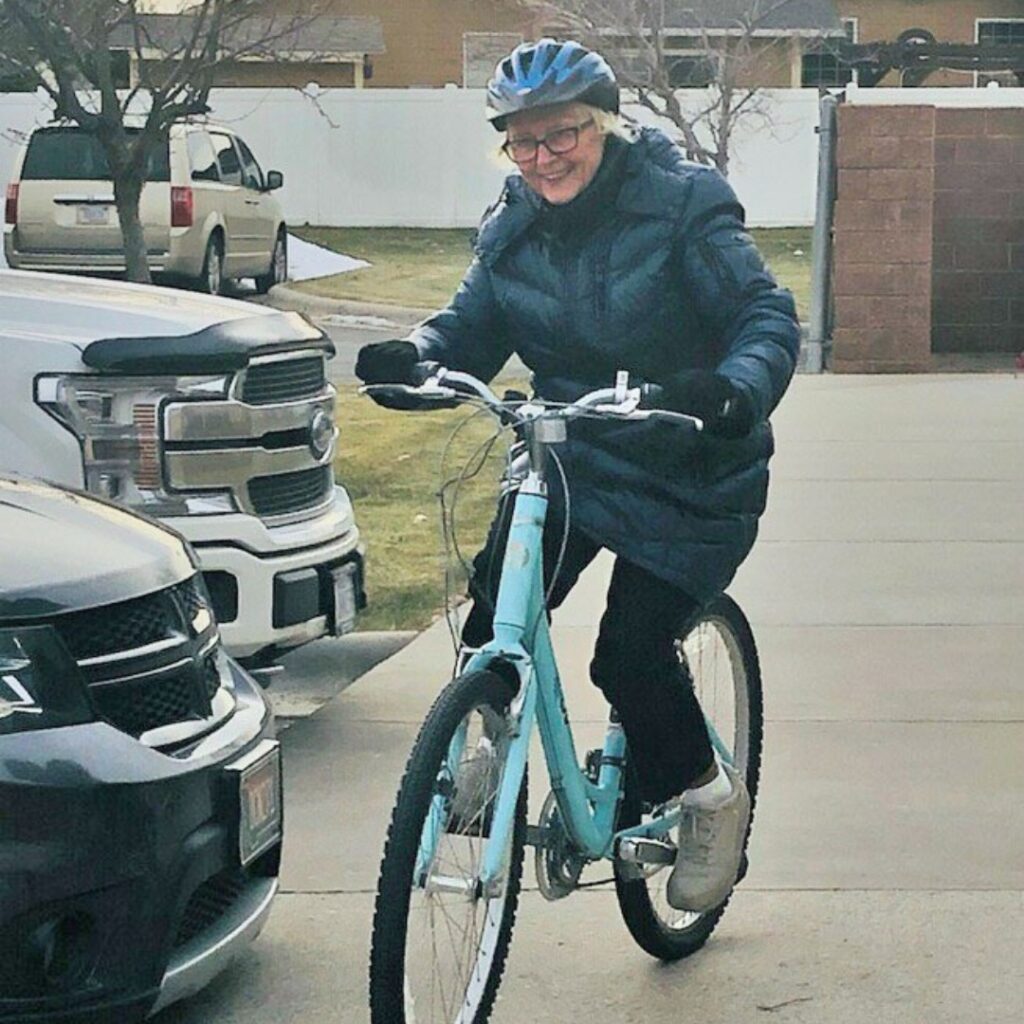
[283, 297]
[316, 673]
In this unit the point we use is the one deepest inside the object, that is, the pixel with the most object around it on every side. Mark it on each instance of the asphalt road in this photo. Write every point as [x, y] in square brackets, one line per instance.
[348, 340]
[349, 337]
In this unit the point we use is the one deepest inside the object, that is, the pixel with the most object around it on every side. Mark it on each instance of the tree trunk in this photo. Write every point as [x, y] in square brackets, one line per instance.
[127, 192]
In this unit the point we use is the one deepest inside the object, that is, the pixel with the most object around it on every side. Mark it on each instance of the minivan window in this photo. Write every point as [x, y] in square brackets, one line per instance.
[202, 157]
[227, 157]
[69, 154]
[251, 174]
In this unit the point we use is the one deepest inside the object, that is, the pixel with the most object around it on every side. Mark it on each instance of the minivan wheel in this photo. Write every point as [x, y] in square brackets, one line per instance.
[278, 272]
[211, 279]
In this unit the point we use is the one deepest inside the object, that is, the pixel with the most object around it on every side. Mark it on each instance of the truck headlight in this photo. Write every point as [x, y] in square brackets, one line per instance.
[117, 423]
[40, 685]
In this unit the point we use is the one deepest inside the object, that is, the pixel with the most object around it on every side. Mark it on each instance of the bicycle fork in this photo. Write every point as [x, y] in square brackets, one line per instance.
[490, 880]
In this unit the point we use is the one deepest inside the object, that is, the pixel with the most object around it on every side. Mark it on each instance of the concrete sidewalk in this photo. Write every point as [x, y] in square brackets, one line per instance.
[887, 879]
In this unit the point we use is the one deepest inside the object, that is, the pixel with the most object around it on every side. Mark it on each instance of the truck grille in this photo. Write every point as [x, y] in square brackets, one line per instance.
[290, 492]
[269, 443]
[285, 381]
[142, 660]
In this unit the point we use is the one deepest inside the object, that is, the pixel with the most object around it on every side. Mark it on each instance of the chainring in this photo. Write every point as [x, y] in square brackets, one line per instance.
[558, 863]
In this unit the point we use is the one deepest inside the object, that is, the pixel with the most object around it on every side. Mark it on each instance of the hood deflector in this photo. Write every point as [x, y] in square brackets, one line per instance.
[221, 348]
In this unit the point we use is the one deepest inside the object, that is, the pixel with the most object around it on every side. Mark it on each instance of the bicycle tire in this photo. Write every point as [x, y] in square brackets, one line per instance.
[674, 941]
[390, 985]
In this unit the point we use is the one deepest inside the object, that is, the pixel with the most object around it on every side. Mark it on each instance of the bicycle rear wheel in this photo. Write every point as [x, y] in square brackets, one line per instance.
[719, 649]
[439, 945]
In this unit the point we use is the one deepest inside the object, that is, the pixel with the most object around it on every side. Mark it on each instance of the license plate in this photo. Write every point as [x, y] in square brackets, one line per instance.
[94, 215]
[259, 796]
[344, 579]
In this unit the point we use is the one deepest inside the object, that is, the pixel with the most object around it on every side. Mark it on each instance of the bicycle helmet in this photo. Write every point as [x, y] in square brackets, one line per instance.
[547, 72]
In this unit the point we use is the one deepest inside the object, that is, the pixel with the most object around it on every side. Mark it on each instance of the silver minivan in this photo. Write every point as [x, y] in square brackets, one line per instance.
[207, 211]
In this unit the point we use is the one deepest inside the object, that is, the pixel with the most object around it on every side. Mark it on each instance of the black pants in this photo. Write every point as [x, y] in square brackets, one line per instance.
[635, 663]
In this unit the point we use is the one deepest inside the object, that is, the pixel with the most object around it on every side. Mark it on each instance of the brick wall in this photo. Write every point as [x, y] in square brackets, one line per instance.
[978, 277]
[883, 239]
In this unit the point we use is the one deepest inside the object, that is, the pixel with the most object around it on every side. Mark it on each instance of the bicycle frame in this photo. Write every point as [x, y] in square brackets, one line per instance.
[521, 637]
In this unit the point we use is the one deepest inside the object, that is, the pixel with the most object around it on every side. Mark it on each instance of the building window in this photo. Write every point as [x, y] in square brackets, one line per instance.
[121, 68]
[481, 52]
[16, 79]
[820, 67]
[1005, 32]
[691, 70]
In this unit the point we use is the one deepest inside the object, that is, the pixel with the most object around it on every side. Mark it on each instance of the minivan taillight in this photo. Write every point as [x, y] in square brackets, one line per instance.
[11, 206]
[182, 206]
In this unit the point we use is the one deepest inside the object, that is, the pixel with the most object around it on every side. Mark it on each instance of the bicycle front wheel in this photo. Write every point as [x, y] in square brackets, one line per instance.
[439, 944]
[719, 650]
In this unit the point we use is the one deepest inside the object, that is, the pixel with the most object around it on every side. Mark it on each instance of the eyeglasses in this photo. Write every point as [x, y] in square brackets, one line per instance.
[557, 143]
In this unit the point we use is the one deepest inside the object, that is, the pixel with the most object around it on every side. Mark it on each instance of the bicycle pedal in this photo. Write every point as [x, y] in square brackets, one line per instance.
[645, 851]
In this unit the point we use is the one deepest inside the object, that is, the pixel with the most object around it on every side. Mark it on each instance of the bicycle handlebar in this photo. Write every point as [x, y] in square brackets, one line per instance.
[619, 402]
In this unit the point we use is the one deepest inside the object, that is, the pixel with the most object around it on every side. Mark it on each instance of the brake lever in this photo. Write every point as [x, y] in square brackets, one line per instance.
[626, 405]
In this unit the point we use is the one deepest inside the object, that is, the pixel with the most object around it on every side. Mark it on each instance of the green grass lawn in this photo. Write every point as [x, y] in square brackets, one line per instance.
[389, 461]
[410, 266]
[423, 266]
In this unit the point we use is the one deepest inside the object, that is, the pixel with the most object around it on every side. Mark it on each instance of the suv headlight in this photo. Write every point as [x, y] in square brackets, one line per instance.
[117, 423]
[40, 685]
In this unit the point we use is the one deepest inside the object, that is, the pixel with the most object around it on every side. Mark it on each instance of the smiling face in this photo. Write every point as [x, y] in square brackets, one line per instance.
[558, 178]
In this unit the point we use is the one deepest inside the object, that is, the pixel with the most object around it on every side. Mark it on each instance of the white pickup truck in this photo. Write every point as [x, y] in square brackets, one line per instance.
[214, 416]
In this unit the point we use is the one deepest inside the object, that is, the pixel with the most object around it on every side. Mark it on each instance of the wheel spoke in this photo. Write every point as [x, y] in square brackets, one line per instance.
[454, 941]
[722, 661]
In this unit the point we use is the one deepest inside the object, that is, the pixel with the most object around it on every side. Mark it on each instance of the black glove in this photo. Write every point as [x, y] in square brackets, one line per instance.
[387, 362]
[397, 362]
[726, 410]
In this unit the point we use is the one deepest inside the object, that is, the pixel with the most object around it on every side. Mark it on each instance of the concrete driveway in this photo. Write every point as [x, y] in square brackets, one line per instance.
[887, 878]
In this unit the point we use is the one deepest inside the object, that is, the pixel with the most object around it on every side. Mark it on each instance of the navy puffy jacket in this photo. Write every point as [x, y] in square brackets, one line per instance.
[668, 279]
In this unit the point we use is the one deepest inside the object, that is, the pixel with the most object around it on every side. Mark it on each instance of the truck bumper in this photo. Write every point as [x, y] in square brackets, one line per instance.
[275, 588]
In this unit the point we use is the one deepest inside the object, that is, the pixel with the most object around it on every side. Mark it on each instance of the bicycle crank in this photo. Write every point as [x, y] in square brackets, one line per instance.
[558, 863]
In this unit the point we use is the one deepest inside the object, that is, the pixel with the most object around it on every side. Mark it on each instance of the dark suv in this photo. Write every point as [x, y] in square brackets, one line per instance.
[140, 792]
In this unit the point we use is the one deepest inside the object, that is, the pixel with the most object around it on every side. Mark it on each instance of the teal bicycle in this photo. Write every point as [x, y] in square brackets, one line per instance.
[452, 867]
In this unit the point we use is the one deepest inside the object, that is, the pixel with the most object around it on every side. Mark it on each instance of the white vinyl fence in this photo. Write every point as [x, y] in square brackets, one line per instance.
[428, 158]
[991, 95]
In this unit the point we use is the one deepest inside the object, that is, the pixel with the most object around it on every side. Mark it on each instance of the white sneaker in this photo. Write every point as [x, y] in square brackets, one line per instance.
[710, 849]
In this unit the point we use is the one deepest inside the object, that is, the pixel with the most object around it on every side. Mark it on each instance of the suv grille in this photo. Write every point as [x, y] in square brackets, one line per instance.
[266, 383]
[129, 624]
[290, 492]
[137, 690]
[135, 707]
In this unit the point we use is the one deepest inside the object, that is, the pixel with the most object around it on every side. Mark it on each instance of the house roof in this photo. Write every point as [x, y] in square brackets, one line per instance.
[769, 17]
[282, 36]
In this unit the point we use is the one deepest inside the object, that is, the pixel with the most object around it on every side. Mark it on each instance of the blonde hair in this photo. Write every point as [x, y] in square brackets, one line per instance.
[608, 123]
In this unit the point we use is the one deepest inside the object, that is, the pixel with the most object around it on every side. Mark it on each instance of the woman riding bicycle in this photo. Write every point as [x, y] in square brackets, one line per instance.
[608, 251]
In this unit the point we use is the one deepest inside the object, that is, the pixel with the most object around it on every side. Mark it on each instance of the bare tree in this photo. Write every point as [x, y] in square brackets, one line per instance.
[727, 46]
[79, 52]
